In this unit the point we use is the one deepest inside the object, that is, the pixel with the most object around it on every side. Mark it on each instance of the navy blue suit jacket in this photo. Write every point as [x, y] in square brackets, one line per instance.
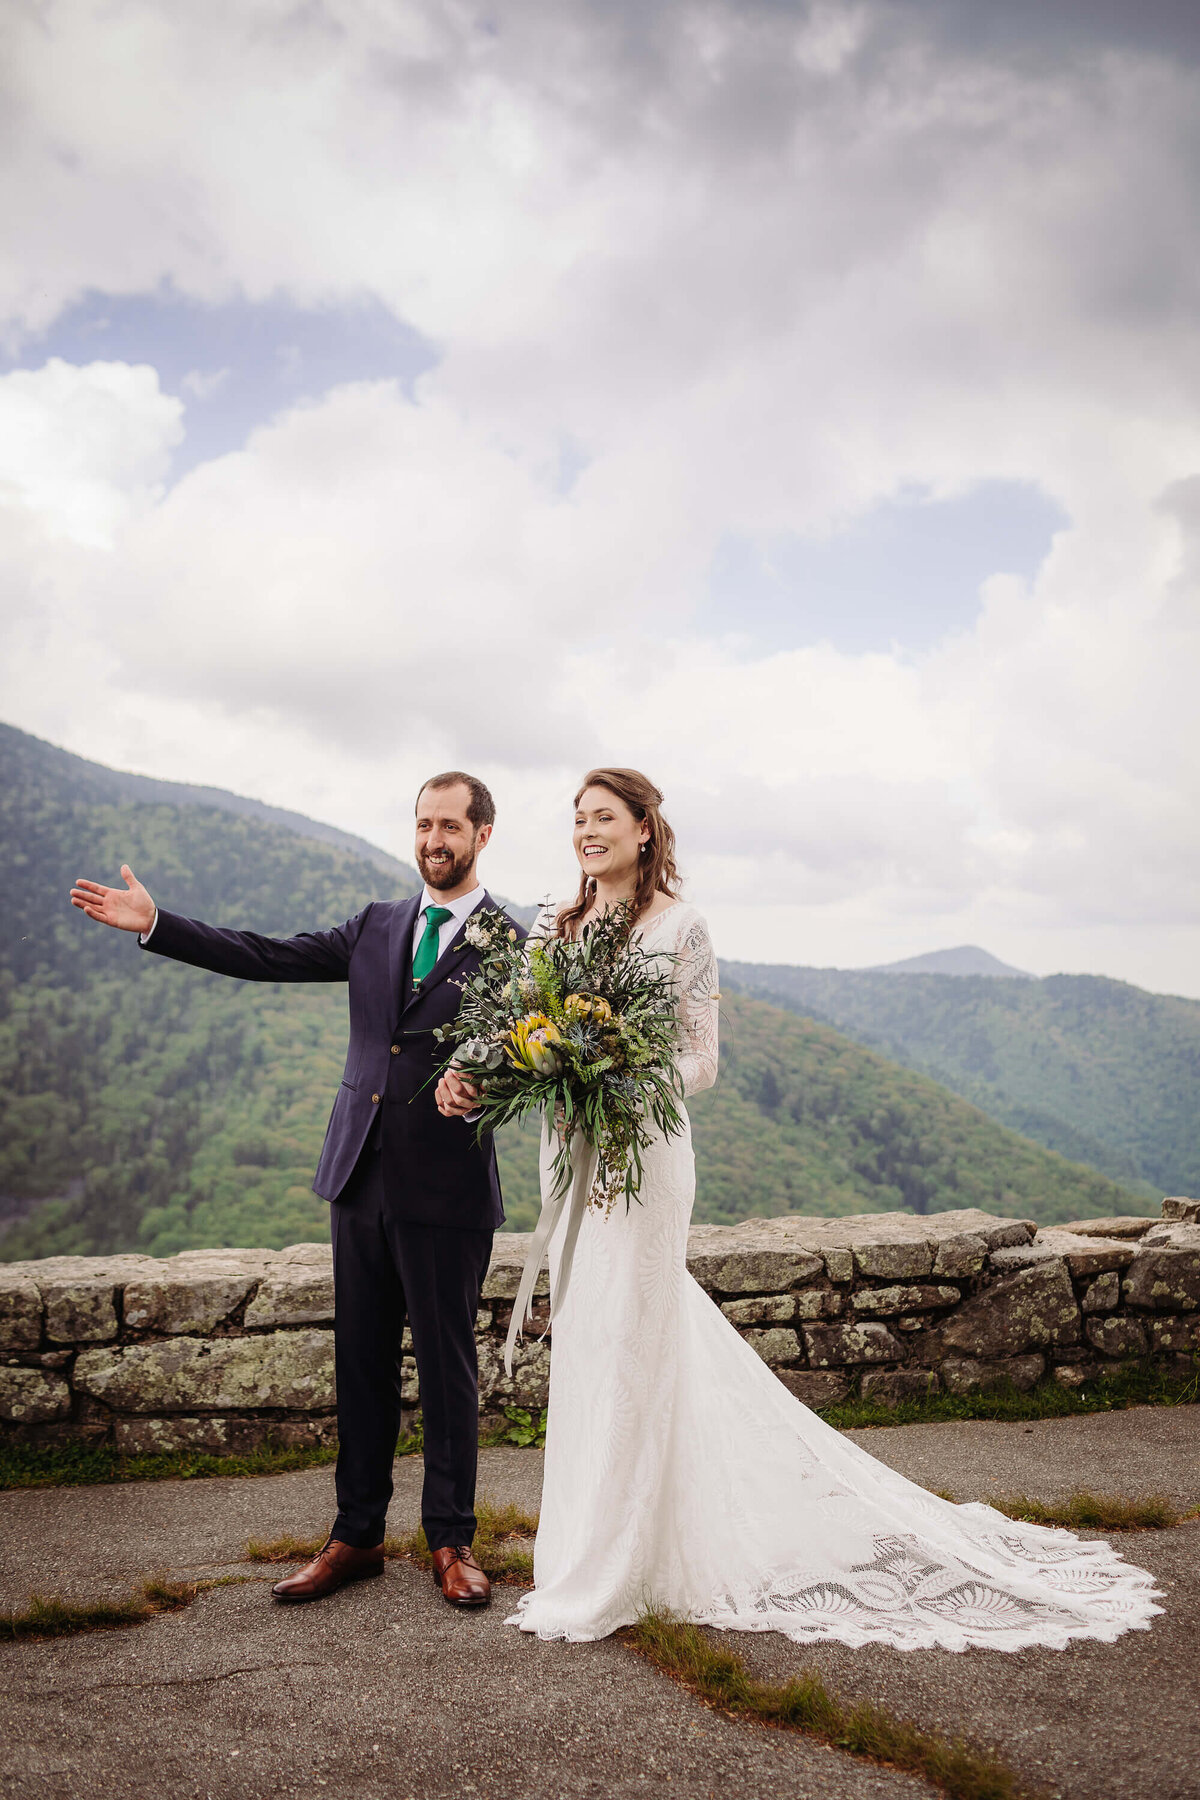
[436, 1171]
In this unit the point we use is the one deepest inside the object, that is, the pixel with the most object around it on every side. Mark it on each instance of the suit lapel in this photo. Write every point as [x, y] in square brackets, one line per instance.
[451, 959]
[400, 933]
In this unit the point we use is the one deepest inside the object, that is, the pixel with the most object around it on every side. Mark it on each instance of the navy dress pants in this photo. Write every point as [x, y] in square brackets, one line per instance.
[385, 1272]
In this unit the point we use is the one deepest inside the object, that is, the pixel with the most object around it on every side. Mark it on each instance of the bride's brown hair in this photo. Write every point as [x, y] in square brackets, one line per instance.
[657, 873]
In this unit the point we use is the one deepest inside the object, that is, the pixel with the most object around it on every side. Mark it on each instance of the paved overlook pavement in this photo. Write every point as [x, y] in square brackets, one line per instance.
[384, 1691]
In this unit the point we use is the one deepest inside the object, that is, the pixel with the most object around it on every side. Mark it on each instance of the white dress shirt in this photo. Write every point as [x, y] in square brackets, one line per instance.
[459, 910]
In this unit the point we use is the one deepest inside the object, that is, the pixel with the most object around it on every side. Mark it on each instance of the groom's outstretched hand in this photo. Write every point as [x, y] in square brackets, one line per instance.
[128, 909]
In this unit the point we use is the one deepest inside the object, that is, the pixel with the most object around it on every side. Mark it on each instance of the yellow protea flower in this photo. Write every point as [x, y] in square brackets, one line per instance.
[532, 1044]
[587, 1006]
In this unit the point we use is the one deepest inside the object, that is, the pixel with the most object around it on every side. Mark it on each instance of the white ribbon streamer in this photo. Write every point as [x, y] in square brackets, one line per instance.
[570, 1197]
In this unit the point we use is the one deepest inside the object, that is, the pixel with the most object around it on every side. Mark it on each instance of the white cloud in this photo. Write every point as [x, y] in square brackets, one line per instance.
[80, 449]
[763, 267]
[202, 385]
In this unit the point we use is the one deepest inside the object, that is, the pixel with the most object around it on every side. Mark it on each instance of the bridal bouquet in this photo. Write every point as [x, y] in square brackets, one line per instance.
[585, 1029]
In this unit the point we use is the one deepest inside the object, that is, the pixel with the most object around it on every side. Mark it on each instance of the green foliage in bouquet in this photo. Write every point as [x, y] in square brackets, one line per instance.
[584, 1029]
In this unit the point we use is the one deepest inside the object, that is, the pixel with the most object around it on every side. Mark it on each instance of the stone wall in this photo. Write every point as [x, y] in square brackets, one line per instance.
[223, 1349]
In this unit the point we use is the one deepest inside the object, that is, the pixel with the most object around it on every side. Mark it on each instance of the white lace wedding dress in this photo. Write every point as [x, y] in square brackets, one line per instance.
[681, 1473]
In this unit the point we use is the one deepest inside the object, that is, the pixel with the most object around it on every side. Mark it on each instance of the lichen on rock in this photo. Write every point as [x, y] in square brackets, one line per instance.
[291, 1369]
[33, 1397]
[1031, 1310]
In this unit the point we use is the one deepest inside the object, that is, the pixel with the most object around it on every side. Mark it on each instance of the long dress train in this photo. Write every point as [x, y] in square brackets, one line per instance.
[680, 1473]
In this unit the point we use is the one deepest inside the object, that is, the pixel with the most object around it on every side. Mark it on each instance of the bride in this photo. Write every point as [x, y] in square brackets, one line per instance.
[679, 1472]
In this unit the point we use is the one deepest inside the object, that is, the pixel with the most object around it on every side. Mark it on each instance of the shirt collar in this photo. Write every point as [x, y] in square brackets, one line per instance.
[458, 909]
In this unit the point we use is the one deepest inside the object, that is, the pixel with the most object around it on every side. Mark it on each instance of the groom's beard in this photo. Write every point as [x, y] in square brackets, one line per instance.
[438, 876]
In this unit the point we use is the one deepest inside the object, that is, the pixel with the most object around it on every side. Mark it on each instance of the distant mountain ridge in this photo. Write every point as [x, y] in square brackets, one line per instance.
[21, 753]
[965, 959]
[1098, 1070]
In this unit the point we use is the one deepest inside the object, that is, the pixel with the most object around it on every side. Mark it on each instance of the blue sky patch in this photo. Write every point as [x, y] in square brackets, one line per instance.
[906, 573]
[235, 364]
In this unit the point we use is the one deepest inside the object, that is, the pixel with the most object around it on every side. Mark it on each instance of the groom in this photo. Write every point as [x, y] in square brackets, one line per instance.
[415, 1195]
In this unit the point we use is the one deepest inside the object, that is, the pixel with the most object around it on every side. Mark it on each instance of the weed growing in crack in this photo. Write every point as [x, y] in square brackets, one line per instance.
[51, 1617]
[1084, 1511]
[718, 1676]
[1087, 1511]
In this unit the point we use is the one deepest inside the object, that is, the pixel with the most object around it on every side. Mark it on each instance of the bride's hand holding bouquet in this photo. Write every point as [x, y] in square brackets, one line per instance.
[584, 1029]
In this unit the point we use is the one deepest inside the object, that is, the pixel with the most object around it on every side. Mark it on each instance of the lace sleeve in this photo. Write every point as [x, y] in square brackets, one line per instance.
[697, 981]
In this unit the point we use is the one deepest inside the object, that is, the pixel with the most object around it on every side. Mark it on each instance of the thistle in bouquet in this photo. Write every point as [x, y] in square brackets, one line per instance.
[584, 1029]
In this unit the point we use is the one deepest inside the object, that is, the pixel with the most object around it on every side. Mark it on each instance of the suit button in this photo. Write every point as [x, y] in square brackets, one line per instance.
[395, 1049]
[374, 1099]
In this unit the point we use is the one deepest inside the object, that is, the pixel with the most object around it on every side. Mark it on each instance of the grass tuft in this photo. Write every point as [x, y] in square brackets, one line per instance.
[1087, 1511]
[718, 1676]
[286, 1549]
[501, 1544]
[51, 1617]
[1130, 1385]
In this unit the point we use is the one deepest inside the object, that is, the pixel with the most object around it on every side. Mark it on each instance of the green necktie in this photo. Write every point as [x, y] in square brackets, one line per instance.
[427, 949]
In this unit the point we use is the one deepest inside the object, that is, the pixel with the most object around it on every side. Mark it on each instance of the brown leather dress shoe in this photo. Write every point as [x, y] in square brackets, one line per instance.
[462, 1581]
[331, 1568]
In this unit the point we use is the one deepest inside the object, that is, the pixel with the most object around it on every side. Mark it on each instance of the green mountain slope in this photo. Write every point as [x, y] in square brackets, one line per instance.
[805, 1120]
[38, 767]
[1095, 1069]
[146, 1105]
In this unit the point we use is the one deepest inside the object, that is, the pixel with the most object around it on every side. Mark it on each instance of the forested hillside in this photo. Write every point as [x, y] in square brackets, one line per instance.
[805, 1120]
[145, 1105]
[1096, 1069]
[43, 768]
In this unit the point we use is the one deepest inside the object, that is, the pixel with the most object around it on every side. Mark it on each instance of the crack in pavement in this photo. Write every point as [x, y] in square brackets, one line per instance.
[99, 1687]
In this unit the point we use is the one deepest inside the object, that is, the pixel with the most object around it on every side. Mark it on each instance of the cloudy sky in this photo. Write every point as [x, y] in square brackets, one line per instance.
[799, 401]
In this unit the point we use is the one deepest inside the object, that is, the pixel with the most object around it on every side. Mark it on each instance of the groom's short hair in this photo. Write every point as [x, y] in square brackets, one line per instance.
[481, 809]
